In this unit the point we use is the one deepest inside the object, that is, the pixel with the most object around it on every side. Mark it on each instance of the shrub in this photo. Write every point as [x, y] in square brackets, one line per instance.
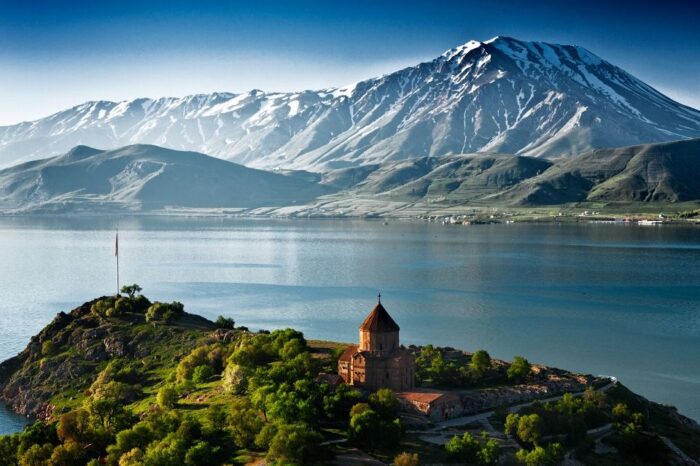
[123, 306]
[47, 348]
[210, 355]
[133, 457]
[202, 374]
[140, 304]
[36, 455]
[68, 454]
[225, 323]
[406, 459]
[519, 369]
[156, 311]
[200, 454]
[102, 307]
[480, 363]
[384, 402]
[235, 379]
[74, 426]
[164, 312]
[463, 449]
[551, 455]
[167, 397]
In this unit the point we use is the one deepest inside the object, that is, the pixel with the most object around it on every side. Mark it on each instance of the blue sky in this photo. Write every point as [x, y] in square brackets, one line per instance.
[57, 54]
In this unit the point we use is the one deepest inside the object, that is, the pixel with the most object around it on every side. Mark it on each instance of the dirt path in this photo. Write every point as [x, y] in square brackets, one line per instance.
[687, 460]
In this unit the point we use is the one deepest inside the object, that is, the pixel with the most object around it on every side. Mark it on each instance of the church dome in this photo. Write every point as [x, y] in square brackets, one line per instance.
[379, 321]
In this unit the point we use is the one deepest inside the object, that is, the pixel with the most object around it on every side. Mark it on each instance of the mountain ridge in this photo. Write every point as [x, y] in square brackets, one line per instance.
[146, 178]
[501, 95]
[143, 177]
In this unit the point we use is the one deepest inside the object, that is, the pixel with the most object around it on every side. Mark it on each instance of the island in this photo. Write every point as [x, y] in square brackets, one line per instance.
[124, 381]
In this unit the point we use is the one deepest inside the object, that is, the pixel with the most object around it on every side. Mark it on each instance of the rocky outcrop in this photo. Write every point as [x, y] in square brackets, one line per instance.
[68, 354]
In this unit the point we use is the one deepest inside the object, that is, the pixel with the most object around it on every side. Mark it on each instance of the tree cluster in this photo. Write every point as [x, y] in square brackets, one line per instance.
[471, 450]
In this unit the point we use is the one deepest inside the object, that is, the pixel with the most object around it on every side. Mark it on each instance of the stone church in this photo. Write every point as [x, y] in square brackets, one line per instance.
[378, 361]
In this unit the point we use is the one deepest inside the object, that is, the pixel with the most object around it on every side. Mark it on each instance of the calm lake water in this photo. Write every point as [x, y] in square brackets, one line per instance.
[604, 299]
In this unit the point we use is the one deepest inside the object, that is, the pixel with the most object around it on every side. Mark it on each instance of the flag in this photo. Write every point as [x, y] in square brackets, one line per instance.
[116, 245]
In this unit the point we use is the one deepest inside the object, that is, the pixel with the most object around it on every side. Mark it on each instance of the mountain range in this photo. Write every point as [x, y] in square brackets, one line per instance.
[146, 178]
[503, 95]
[664, 172]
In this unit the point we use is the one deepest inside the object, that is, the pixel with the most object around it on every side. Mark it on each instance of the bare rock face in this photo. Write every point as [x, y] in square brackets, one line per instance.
[223, 335]
[115, 346]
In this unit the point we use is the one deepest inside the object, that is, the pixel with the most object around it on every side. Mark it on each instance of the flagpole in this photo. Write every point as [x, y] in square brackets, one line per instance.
[116, 253]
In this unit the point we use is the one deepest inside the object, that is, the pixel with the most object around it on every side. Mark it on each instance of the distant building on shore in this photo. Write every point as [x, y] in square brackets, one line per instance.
[378, 361]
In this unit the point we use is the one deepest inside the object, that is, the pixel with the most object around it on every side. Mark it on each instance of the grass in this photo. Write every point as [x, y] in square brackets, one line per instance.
[168, 344]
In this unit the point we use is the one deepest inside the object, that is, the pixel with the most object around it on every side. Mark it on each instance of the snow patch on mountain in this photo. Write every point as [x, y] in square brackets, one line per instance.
[528, 98]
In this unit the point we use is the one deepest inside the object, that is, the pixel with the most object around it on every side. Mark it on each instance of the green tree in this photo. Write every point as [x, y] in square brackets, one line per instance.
[511, 424]
[530, 428]
[225, 323]
[201, 454]
[217, 417]
[365, 428]
[359, 408]
[480, 363]
[75, 426]
[338, 403]
[368, 429]
[384, 402]
[519, 369]
[293, 444]
[67, 454]
[202, 374]
[108, 414]
[464, 448]
[131, 442]
[621, 412]
[36, 455]
[551, 455]
[169, 451]
[131, 290]
[167, 397]
[292, 349]
[133, 457]
[246, 422]
[489, 453]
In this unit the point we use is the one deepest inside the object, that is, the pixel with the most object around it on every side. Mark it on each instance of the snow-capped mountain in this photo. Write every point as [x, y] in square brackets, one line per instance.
[502, 95]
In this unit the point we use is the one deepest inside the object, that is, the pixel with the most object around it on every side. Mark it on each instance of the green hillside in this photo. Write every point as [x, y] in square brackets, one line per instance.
[123, 381]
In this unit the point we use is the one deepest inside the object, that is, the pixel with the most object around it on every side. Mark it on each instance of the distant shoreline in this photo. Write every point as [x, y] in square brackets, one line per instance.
[645, 215]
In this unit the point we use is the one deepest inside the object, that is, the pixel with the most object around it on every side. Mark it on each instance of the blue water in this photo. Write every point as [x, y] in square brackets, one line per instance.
[619, 300]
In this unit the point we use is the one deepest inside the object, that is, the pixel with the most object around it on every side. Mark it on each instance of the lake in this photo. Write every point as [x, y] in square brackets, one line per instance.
[620, 300]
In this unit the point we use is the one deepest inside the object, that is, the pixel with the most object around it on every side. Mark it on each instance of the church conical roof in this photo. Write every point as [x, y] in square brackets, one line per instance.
[379, 321]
